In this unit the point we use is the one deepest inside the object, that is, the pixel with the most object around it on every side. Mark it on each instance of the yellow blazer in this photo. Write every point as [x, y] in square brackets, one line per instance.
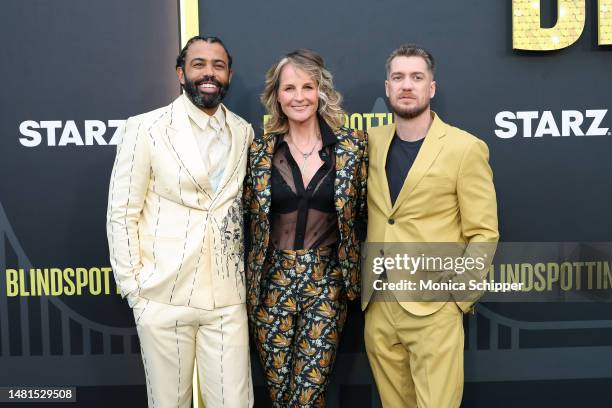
[448, 196]
[172, 238]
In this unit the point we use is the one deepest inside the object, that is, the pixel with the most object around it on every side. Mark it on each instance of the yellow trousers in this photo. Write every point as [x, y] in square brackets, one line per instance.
[417, 361]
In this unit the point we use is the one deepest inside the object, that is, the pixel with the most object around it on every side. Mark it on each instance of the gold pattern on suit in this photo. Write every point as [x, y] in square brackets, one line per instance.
[297, 334]
[351, 166]
[311, 308]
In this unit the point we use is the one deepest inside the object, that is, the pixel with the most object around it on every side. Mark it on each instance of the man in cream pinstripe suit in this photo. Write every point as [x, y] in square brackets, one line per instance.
[174, 228]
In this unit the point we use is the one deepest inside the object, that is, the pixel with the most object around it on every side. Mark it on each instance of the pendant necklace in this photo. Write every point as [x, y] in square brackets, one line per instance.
[305, 156]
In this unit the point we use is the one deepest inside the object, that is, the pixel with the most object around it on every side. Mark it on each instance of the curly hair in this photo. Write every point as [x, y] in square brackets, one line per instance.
[330, 100]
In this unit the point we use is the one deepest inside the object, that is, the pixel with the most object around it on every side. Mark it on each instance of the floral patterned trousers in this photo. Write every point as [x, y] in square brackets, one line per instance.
[297, 324]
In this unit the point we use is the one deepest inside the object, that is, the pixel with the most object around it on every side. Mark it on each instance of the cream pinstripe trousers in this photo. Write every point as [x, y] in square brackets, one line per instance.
[173, 337]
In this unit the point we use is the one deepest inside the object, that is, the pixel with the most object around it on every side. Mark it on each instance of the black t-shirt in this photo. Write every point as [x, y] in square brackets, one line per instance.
[400, 158]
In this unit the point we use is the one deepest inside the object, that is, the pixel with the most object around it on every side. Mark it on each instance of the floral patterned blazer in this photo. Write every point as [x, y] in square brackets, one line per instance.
[350, 196]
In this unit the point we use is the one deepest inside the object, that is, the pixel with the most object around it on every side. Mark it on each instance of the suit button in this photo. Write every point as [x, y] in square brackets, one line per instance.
[391, 221]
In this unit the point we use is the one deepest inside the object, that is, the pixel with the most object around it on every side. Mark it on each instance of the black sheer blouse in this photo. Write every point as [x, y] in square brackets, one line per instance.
[303, 217]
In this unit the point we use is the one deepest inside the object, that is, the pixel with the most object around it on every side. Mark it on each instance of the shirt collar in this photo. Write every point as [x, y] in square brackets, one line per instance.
[200, 118]
[327, 134]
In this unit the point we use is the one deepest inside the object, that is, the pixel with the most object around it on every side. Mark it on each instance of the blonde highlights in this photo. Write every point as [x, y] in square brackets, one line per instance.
[330, 100]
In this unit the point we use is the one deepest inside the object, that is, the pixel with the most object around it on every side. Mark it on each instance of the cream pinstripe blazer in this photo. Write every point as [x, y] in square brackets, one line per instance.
[171, 237]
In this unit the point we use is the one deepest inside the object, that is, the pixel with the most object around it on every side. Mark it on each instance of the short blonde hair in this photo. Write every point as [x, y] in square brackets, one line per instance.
[330, 100]
[412, 50]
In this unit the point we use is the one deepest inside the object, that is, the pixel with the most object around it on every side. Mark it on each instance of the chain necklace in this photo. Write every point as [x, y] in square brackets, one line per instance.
[305, 156]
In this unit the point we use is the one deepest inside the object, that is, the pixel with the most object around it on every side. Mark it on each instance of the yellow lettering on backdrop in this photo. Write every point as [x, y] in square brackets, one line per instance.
[605, 22]
[527, 31]
[12, 283]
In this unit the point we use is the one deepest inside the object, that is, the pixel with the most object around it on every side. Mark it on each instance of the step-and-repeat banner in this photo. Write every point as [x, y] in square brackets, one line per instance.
[74, 71]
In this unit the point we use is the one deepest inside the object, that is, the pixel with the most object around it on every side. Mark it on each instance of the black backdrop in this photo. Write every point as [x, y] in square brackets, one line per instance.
[69, 60]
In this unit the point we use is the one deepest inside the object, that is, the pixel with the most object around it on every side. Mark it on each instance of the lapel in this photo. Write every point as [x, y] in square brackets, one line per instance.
[260, 165]
[238, 149]
[345, 151]
[386, 139]
[183, 146]
[262, 173]
[427, 155]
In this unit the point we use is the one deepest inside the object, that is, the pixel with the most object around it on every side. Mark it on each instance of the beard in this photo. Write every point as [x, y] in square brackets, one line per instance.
[203, 99]
[408, 113]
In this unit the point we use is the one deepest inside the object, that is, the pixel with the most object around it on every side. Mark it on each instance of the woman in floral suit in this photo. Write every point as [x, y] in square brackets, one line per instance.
[305, 194]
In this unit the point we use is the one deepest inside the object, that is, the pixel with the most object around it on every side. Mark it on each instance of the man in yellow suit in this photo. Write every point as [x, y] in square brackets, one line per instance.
[428, 182]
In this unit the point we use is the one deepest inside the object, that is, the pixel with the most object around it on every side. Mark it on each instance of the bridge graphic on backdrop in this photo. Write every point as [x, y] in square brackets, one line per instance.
[59, 360]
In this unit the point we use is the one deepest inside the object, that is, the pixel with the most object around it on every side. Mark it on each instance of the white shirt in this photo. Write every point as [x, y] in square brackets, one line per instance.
[213, 138]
